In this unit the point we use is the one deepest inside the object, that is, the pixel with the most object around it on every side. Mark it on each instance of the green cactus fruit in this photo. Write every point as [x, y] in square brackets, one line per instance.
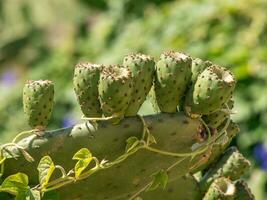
[221, 189]
[218, 117]
[213, 88]
[142, 68]
[115, 90]
[231, 165]
[38, 100]
[243, 192]
[86, 78]
[198, 66]
[173, 75]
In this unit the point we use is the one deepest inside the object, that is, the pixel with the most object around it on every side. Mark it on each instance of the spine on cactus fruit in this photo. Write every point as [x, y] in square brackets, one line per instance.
[173, 132]
[173, 75]
[243, 192]
[221, 189]
[86, 78]
[212, 89]
[142, 68]
[115, 90]
[231, 165]
[38, 100]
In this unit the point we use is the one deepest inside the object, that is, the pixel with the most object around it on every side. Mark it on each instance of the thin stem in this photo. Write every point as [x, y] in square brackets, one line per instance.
[58, 184]
[99, 118]
[62, 170]
[206, 127]
[23, 135]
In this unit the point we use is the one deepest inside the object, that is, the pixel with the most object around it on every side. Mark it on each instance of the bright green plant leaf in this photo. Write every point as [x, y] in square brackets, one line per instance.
[15, 184]
[160, 180]
[29, 195]
[82, 154]
[46, 168]
[132, 142]
[84, 158]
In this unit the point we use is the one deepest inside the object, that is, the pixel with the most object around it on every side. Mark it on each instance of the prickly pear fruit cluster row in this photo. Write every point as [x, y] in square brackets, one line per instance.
[197, 87]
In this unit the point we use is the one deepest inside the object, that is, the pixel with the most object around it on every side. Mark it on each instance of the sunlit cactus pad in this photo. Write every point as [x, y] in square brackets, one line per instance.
[181, 152]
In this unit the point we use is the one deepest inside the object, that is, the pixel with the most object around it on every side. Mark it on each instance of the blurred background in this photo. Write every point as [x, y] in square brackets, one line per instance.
[45, 39]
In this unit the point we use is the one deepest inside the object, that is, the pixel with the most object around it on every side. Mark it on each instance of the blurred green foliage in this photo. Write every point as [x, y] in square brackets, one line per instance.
[45, 39]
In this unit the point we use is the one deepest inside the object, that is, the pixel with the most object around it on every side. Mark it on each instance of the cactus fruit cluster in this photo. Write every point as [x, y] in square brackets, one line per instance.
[138, 157]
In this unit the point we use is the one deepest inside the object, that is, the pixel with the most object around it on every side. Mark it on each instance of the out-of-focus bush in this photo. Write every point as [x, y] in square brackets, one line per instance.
[44, 40]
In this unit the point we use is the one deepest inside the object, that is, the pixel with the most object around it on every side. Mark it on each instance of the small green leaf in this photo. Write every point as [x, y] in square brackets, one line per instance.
[132, 142]
[84, 158]
[46, 168]
[15, 184]
[82, 154]
[160, 180]
[29, 195]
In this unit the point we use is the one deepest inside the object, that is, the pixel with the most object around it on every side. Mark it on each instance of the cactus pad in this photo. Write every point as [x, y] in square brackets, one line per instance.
[213, 88]
[86, 78]
[173, 75]
[142, 69]
[115, 90]
[38, 100]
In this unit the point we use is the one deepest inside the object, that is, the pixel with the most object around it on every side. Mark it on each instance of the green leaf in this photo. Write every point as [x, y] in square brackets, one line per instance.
[46, 168]
[160, 180]
[15, 184]
[132, 142]
[82, 154]
[29, 195]
[84, 158]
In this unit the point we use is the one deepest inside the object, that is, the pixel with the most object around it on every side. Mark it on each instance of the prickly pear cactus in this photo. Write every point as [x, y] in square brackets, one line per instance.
[213, 88]
[173, 75]
[38, 100]
[85, 81]
[221, 189]
[218, 117]
[138, 157]
[142, 68]
[115, 90]
[198, 66]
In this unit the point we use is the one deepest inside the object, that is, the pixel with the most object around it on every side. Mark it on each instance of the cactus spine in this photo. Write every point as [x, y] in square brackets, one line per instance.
[173, 75]
[213, 88]
[142, 69]
[115, 90]
[86, 78]
[38, 100]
